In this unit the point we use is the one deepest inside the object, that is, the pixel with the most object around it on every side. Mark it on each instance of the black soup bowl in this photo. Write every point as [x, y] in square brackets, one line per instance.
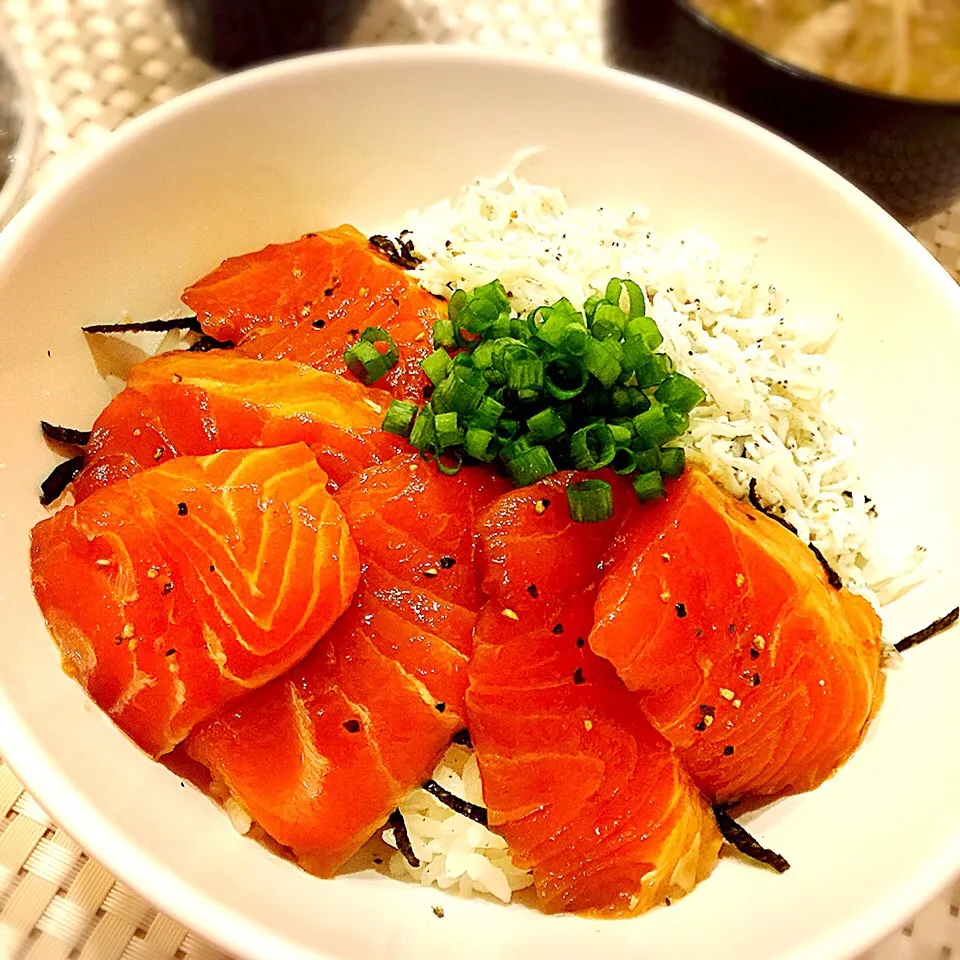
[903, 151]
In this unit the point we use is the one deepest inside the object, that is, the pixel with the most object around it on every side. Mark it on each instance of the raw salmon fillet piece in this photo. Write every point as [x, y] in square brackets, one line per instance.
[309, 299]
[322, 756]
[192, 583]
[587, 794]
[762, 675]
[193, 404]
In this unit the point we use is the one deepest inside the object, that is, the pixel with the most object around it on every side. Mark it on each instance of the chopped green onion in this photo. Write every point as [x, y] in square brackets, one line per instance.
[624, 461]
[436, 366]
[453, 467]
[530, 466]
[646, 330]
[649, 486]
[400, 417]
[599, 359]
[546, 425]
[456, 395]
[672, 461]
[627, 401]
[423, 435]
[680, 393]
[365, 361]
[654, 370]
[447, 431]
[487, 414]
[557, 386]
[590, 305]
[652, 427]
[647, 460]
[444, 334]
[481, 444]
[608, 321]
[565, 379]
[590, 501]
[592, 447]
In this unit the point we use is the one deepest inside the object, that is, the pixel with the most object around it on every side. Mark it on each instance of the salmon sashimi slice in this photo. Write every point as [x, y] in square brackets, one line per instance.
[322, 756]
[309, 299]
[193, 404]
[587, 794]
[192, 583]
[762, 675]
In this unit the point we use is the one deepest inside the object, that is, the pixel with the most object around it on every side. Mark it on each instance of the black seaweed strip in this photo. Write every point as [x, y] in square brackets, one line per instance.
[59, 478]
[206, 343]
[938, 626]
[158, 326]
[67, 435]
[755, 501]
[399, 252]
[833, 578]
[737, 836]
[403, 838]
[466, 809]
[462, 737]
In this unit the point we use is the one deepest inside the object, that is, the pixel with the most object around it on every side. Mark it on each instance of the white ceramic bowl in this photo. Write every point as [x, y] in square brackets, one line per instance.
[360, 137]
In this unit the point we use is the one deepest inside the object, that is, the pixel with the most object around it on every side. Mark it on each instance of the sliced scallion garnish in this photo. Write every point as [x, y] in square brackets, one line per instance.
[590, 501]
[557, 389]
[400, 417]
[365, 361]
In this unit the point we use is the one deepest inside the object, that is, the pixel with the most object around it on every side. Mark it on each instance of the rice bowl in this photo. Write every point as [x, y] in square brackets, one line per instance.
[297, 200]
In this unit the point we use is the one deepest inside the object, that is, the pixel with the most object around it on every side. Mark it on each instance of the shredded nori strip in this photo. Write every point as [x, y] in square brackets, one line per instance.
[466, 809]
[756, 502]
[938, 626]
[207, 343]
[833, 577]
[65, 435]
[140, 326]
[399, 251]
[403, 838]
[59, 479]
[737, 836]
[462, 737]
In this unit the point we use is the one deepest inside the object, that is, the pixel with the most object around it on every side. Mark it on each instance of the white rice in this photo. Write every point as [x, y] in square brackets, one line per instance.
[768, 415]
[454, 852]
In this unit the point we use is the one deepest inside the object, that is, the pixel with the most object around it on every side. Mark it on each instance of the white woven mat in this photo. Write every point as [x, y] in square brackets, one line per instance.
[95, 64]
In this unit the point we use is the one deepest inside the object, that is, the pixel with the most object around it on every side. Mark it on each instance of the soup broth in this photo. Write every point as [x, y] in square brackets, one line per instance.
[905, 47]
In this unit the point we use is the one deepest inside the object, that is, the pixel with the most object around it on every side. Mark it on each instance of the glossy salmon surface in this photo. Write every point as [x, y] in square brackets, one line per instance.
[193, 404]
[189, 584]
[762, 675]
[322, 756]
[588, 795]
[307, 300]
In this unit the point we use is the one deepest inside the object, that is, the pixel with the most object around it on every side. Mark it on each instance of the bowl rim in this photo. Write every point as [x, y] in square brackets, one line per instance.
[705, 22]
[25, 149]
[160, 884]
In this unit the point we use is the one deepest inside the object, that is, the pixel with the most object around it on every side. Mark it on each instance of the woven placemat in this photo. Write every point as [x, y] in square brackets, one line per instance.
[95, 64]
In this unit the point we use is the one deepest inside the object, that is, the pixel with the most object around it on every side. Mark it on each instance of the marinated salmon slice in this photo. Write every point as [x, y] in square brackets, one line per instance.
[194, 404]
[587, 794]
[309, 299]
[322, 756]
[191, 583]
[762, 675]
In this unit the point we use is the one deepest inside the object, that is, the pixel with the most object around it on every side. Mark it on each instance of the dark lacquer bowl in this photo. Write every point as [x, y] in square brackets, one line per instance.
[903, 151]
